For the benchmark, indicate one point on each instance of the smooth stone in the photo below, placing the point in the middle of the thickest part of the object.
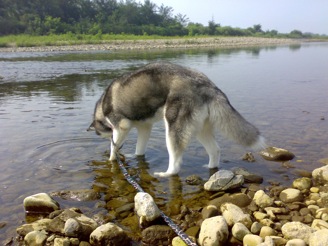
(213, 231)
(62, 242)
(256, 227)
(233, 214)
(146, 207)
(209, 211)
(291, 195)
(109, 234)
(157, 235)
(248, 176)
(320, 175)
(239, 231)
(239, 199)
(223, 180)
(267, 231)
(319, 238)
(262, 200)
(39, 225)
(318, 224)
(296, 242)
(302, 183)
(177, 241)
(277, 154)
(194, 180)
(40, 203)
(35, 238)
(252, 240)
(297, 230)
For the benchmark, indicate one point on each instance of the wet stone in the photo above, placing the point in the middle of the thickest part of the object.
(248, 176)
(194, 180)
(277, 154)
(157, 235)
(223, 180)
(77, 195)
(40, 203)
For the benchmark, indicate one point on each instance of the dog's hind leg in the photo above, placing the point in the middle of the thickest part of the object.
(144, 131)
(207, 138)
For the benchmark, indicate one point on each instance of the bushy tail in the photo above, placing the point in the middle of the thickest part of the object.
(233, 125)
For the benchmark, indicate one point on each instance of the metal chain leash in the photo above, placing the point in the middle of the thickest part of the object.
(167, 219)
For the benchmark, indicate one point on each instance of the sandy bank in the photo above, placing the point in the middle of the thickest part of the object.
(215, 42)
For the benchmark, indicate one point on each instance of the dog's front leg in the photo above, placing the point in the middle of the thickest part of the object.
(144, 131)
(119, 136)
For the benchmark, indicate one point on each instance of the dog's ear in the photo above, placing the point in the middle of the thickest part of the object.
(91, 127)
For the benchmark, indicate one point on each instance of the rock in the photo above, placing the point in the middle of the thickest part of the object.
(248, 157)
(319, 238)
(209, 211)
(276, 154)
(146, 207)
(256, 227)
(239, 199)
(239, 231)
(318, 224)
(72, 228)
(233, 214)
(302, 183)
(157, 235)
(40, 203)
(194, 180)
(62, 242)
(320, 175)
(35, 238)
(177, 241)
(248, 176)
(39, 225)
(323, 161)
(296, 242)
(297, 230)
(213, 231)
(252, 240)
(267, 231)
(291, 195)
(77, 195)
(223, 180)
(262, 200)
(109, 234)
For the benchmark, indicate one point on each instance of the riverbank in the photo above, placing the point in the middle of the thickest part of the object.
(214, 42)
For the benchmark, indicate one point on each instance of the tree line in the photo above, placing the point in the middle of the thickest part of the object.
(46, 17)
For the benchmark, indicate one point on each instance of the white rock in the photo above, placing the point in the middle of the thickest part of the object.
(35, 238)
(72, 228)
(296, 242)
(223, 180)
(146, 207)
(319, 224)
(291, 195)
(214, 231)
(262, 200)
(233, 214)
(268, 241)
(303, 183)
(108, 234)
(319, 238)
(297, 230)
(320, 175)
(239, 230)
(40, 203)
(252, 240)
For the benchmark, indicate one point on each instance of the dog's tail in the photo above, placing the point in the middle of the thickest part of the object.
(233, 125)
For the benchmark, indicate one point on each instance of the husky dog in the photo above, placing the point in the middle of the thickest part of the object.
(190, 104)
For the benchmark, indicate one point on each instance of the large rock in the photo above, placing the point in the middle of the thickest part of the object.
(320, 175)
(223, 180)
(297, 230)
(40, 203)
(276, 154)
(319, 238)
(303, 183)
(233, 214)
(146, 207)
(214, 231)
(291, 195)
(109, 234)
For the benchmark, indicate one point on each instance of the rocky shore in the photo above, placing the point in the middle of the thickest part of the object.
(214, 42)
(239, 212)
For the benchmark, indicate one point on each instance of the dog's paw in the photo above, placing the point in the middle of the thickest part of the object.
(162, 174)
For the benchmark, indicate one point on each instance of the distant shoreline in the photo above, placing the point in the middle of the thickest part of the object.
(116, 45)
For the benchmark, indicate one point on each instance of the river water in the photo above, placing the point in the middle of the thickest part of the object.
(47, 101)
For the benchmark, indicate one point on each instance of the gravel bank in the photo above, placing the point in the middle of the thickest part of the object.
(215, 42)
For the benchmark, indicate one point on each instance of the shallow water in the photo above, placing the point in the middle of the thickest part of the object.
(47, 101)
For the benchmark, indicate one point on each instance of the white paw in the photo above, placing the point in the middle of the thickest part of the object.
(163, 174)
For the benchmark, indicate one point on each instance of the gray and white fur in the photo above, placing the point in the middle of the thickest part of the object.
(190, 104)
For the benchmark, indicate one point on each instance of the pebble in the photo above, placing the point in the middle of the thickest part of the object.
(296, 242)
(276, 154)
(233, 214)
(252, 240)
(146, 207)
(297, 230)
(40, 203)
(214, 231)
(262, 200)
(239, 231)
(291, 195)
(109, 234)
(302, 183)
(319, 238)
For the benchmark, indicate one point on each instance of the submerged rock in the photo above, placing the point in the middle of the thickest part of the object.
(223, 180)
(110, 235)
(40, 203)
(277, 154)
(77, 195)
(157, 235)
(248, 176)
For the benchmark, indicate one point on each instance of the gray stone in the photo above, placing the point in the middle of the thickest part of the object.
(223, 180)
(248, 176)
(109, 234)
(35, 238)
(233, 214)
(213, 231)
(157, 235)
(239, 231)
(319, 238)
(297, 230)
(146, 207)
(320, 175)
(276, 154)
(262, 200)
(40, 203)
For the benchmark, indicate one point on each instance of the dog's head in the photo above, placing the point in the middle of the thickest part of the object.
(101, 123)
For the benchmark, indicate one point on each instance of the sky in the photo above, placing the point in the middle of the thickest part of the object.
(281, 15)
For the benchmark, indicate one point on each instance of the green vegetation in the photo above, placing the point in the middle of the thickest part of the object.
(66, 22)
